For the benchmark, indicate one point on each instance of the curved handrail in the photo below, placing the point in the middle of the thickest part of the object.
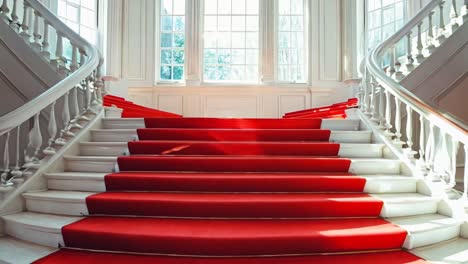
(31, 108)
(452, 125)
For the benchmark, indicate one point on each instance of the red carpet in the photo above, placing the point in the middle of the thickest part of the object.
(232, 182)
(233, 134)
(133, 110)
(232, 237)
(233, 164)
(233, 187)
(233, 123)
(234, 148)
(89, 257)
(234, 205)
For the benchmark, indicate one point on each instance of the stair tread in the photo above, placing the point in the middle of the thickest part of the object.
(13, 250)
(44, 222)
(58, 195)
(402, 198)
(76, 175)
(424, 223)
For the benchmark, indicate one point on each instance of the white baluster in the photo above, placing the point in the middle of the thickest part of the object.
(409, 132)
(391, 68)
(76, 110)
(36, 143)
(422, 136)
(381, 108)
(74, 62)
(14, 16)
(454, 16)
(82, 57)
(45, 43)
(25, 25)
(430, 35)
(65, 120)
(4, 10)
(409, 54)
(388, 114)
(60, 60)
(365, 102)
(430, 149)
(373, 107)
(465, 16)
(398, 75)
(52, 129)
(36, 45)
(99, 83)
(441, 38)
(16, 172)
(397, 121)
(453, 159)
(465, 178)
(6, 161)
(419, 46)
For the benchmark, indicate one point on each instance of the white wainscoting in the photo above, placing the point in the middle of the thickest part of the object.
(255, 102)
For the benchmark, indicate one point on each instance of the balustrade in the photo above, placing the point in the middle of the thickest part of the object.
(20, 130)
(438, 136)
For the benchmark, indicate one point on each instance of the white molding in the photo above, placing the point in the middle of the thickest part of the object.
(193, 42)
(267, 42)
(330, 38)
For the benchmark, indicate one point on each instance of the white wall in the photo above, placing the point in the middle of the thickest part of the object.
(131, 43)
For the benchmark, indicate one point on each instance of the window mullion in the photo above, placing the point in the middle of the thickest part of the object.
(267, 41)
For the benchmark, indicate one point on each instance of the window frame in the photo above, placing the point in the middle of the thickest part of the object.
(65, 20)
(382, 24)
(261, 51)
(157, 48)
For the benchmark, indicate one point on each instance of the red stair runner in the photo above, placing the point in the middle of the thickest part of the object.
(234, 148)
(133, 110)
(92, 257)
(234, 182)
(233, 134)
(245, 188)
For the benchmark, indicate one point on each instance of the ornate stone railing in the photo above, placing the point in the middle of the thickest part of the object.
(34, 132)
(427, 139)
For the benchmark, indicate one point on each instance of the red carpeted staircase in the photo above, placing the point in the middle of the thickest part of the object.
(233, 191)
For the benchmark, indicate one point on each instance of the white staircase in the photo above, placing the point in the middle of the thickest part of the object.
(406, 200)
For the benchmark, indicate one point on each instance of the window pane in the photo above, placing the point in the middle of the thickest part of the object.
(172, 40)
(231, 40)
(291, 53)
(385, 17)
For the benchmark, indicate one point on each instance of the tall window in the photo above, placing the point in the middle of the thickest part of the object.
(385, 17)
(291, 58)
(81, 16)
(231, 40)
(172, 40)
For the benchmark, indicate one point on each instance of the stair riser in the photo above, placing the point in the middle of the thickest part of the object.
(352, 151)
(76, 185)
(128, 123)
(422, 239)
(388, 186)
(125, 136)
(375, 167)
(89, 166)
(407, 209)
(37, 236)
(358, 167)
(77, 208)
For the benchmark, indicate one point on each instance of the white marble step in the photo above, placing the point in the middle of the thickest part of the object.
(405, 204)
(94, 182)
(90, 163)
(424, 230)
(333, 124)
(453, 251)
(121, 148)
(57, 202)
(42, 229)
(17, 251)
(125, 135)
(45, 229)
(359, 166)
(76, 181)
(74, 203)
